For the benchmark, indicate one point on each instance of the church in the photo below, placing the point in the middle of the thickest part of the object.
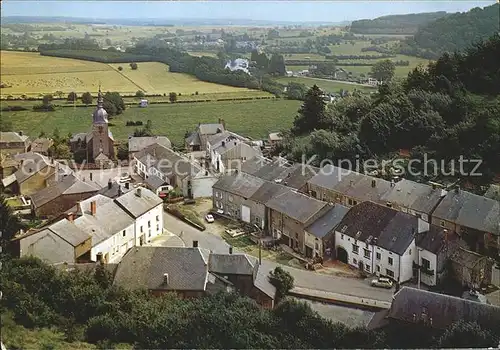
(98, 143)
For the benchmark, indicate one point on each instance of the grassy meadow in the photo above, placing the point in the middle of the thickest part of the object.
(255, 118)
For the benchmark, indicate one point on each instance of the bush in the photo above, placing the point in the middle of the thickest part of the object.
(120, 68)
(14, 109)
(139, 93)
(72, 96)
(44, 108)
(133, 65)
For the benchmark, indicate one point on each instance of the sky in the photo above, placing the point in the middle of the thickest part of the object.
(296, 11)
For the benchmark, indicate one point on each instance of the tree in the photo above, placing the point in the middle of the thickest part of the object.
(47, 99)
(122, 151)
(113, 103)
(61, 151)
(383, 70)
(72, 97)
(277, 65)
(296, 91)
(133, 65)
(9, 224)
(87, 98)
(467, 335)
(120, 68)
(282, 280)
(311, 114)
(172, 97)
(139, 93)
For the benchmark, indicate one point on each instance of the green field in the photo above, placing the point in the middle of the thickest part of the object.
(328, 86)
(254, 118)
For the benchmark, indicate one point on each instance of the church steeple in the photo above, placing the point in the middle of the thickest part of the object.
(100, 100)
(100, 116)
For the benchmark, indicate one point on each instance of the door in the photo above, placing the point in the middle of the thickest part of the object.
(245, 213)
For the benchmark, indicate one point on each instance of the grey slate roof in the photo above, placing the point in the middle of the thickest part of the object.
(136, 204)
(154, 182)
(231, 264)
(31, 164)
(327, 223)
(144, 267)
(69, 232)
(393, 230)
(167, 161)
(443, 309)
(193, 139)
(210, 129)
(278, 169)
(240, 184)
(114, 191)
(493, 192)
(251, 166)
(409, 194)
(434, 239)
(67, 185)
(135, 144)
(299, 176)
(470, 210)
(351, 184)
(261, 280)
(267, 191)
(296, 205)
(78, 137)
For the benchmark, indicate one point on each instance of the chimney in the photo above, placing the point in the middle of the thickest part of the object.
(119, 190)
(195, 244)
(230, 249)
(20, 133)
(206, 172)
(90, 176)
(374, 183)
(165, 279)
(70, 217)
(110, 184)
(93, 207)
(127, 185)
(138, 192)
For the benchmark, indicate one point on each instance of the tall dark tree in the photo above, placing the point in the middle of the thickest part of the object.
(277, 65)
(311, 114)
(87, 98)
(9, 224)
(383, 70)
(72, 96)
(114, 102)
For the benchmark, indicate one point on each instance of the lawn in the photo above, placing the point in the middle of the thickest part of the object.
(350, 49)
(254, 118)
(328, 86)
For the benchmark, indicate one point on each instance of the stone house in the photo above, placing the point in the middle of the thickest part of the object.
(197, 140)
(471, 269)
(12, 143)
(136, 144)
(41, 145)
(476, 219)
(193, 272)
(231, 197)
(61, 196)
(259, 214)
(289, 215)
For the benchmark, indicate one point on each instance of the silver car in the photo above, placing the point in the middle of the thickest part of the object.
(382, 282)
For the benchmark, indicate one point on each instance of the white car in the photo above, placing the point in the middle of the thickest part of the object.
(209, 218)
(382, 282)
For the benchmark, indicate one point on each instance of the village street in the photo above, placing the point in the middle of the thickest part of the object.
(303, 278)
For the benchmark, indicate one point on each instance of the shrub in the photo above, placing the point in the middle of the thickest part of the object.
(139, 93)
(120, 68)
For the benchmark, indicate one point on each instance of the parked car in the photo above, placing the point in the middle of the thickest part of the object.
(209, 218)
(382, 282)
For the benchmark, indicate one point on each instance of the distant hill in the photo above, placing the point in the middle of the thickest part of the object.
(395, 24)
(453, 33)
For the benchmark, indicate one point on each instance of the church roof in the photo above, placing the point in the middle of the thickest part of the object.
(100, 115)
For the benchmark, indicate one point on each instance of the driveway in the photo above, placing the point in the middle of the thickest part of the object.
(303, 278)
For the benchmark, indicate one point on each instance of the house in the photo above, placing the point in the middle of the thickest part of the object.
(61, 196)
(476, 219)
(157, 184)
(493, 192)
(379, 240)
(471, 269)
(136, 144)
(41, 145)
(274, 139)
(413, 307)
(289, 73)
(146, 208)
(34, 172)
(289, 215)
(227, 151)
(98, 143)
(276, 170)
(174, 170)
(143, 103)
(12, 143)
(59, 242)
(341, 74)
(253, 164)
(434, 248)
(320, 234)
(346, 187)
(197, 140)
(258, 200)
(413, 198)
(299, 175)
(231, 197)
(239, 64)
(193, 272)
(8, 166)
(373, 82)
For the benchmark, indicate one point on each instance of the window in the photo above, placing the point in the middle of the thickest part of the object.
(316, 246)
(157, 217)
(378, 268)
(367, 268)
(390, 261)
(149, 233)
(157, 227)
(442, 223)
(389, 273)
(124, 233)
(389, 204)
(313, 194)
(355, 249)
(409, 253)
(341, 236)
(296, 235)
(350, 201)
(344, 229)
(426, 264)
(377, 255)
(367, 253)
(354, 261)
(141, 229)
(149, 224)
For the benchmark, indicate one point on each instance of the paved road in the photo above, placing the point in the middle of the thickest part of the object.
(341, 81)
(303, 278)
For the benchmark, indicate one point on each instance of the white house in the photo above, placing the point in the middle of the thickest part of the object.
(379, 240)
(144, 103)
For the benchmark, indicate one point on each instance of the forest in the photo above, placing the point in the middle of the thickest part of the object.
(450, 108)
(452, 33)
(395, 24)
